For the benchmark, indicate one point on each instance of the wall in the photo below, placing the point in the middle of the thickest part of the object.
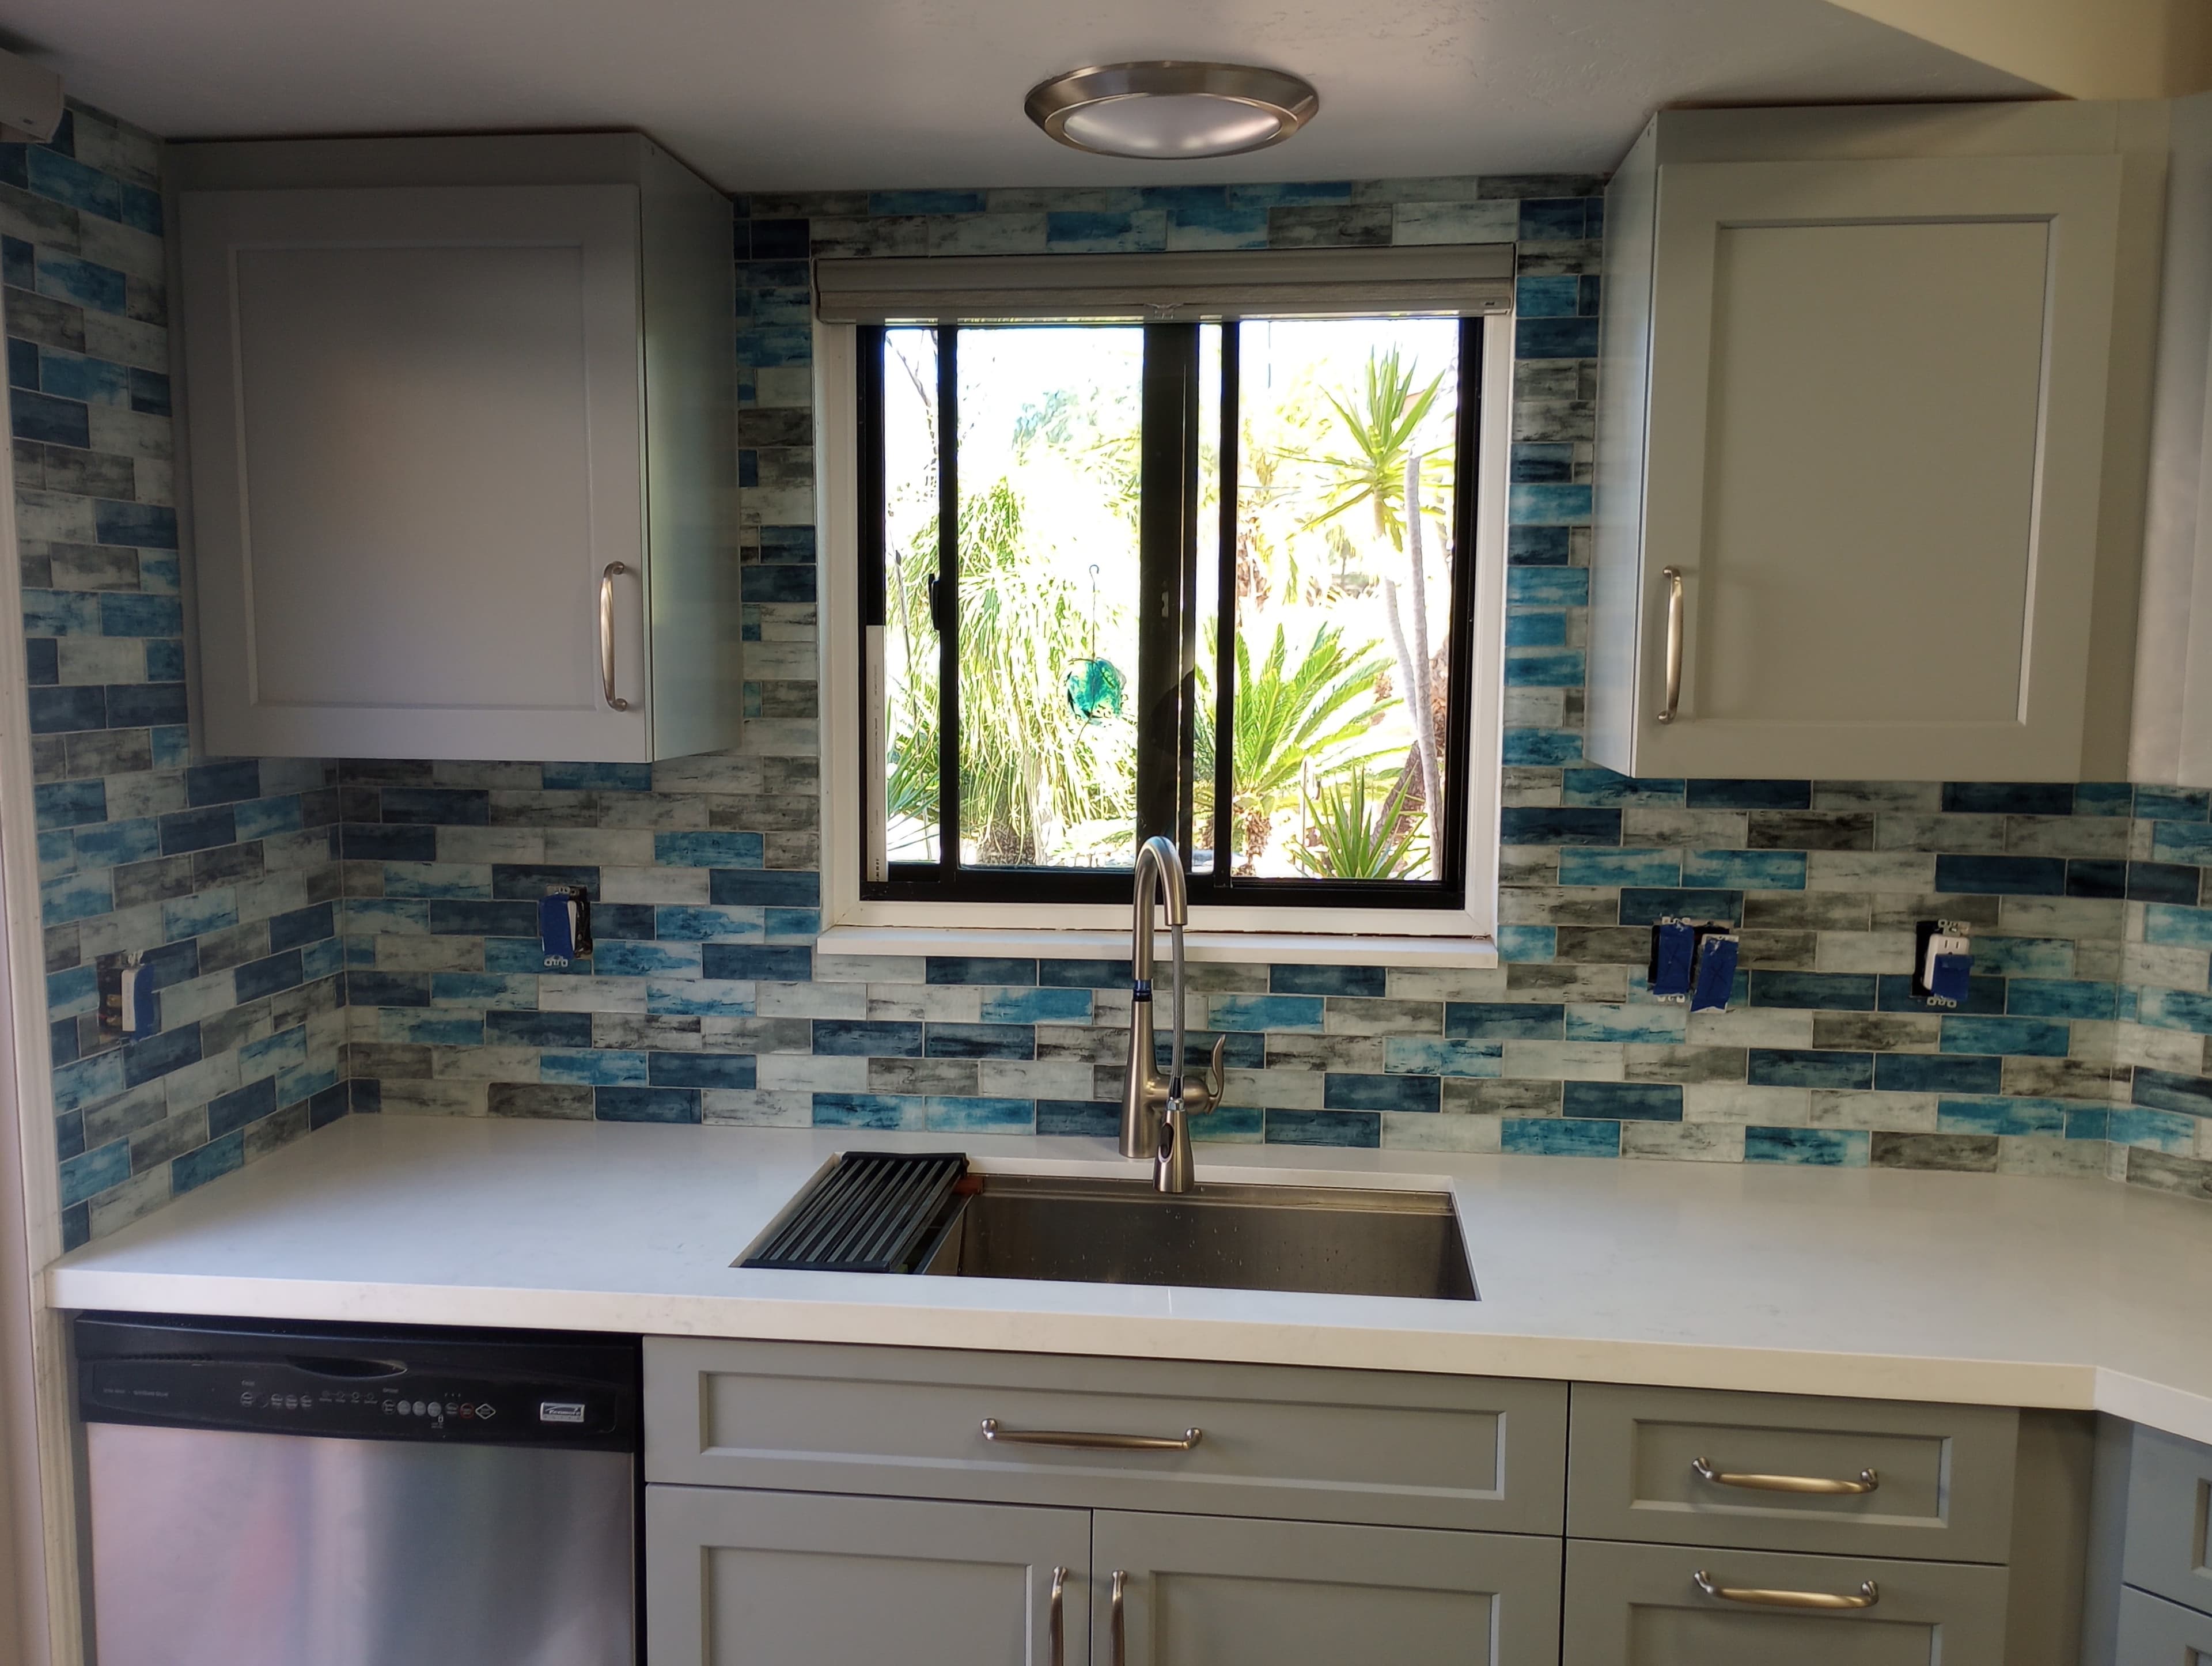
(221, 871)
(2083, 1050)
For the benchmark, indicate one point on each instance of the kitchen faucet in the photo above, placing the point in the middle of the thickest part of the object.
(1156, 1110)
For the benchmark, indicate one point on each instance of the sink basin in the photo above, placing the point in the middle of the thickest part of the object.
(1328, 1240)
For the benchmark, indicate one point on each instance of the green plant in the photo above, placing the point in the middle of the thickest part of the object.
(1288, 716)
(1381, 423)
(1029, 770)
(1344, 842)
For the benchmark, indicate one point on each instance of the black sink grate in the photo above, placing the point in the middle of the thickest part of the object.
(869, 1213)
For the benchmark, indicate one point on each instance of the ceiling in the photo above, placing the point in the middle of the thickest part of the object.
(808, 94)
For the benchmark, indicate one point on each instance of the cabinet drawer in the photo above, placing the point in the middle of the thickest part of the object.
(1290, 1442)
(1641, 1605)
(2169, 1492)
(1942, 1475)
(2156, 1633)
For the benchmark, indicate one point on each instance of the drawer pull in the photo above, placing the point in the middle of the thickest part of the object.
(1674, 577)
(1867, 1595)
(1120, 1634)
(615, 702)
(1090, 1442)
(1059, 1630)
(1867, 1482)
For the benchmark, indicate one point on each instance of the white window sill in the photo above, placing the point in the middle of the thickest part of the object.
(1239, 948)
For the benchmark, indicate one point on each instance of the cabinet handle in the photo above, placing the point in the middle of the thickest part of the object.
(1867, 1482)
(1867, 1595)
(1119, 1632)
(1094, 1442)
(1059, 1631)
(614, 570)
(1674, 577)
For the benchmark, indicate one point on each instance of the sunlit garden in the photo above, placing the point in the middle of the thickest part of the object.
(1344, 453)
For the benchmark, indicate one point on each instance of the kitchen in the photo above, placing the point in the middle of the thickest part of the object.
(1694, 1151)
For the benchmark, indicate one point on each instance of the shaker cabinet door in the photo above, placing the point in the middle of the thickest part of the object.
(1852, 530)
(416, 422)
(743, 1579)
(1198, 1590)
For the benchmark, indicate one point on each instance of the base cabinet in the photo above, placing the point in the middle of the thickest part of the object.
(1643, 1605)
(1201, 1590)
(743, 1578)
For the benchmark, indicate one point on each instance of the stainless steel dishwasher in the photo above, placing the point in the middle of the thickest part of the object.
(267, 1494)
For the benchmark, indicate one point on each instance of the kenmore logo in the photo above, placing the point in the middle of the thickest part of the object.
(560, 1411)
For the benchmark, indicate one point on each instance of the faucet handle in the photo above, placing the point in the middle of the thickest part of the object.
(1215, 1081)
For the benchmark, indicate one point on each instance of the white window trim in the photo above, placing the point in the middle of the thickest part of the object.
(853, 925)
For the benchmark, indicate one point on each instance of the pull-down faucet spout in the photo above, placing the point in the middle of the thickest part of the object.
(1156, 1108)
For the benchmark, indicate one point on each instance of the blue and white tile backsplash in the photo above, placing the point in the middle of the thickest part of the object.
(2082, 1051)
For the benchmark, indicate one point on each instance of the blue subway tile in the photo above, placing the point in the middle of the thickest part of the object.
(228, 1112)
(1537, 546)
(1430, 1055)
(2163, 882)
(1548, 586)
(1553, 220)
(2183, 842)
(1552, 1136)
(2172, 804)
(1594, 786)
(435, 807)
(146, 705)
(2005, 798)
(1560, 825)
(867, 1038)
(1040, 1006)
(60, 613)
(69, 803)
(2159, 1130)
(1354, 1091)
(699, 997)
(1601, 866)
(2171, 1089)
(593, 1067)
(2103, 797)
(1546, 670)
(1792, 1066)
(159, 1054)
(1979, 1033)
(1084, 974)
(2059, 998)
(1324, 981)
(1542, 748)
(67, 710)
(1555, 338)
(2096, 877)
(709, 850)
(1651, 1022)
(42, 657)
(226, 781)
(41, 418)
(268, 977)
(1470, 1020)
(532, 1029)
(468, 917)
(374, 988)
(1835, 992)
(977, 969)
(2176, 927)
(974, 1114)
(2001, 876)
(733, 1070)
(625, 958)
(2023, 957)
(744, 961)
(1623, 1101)
(1547, 505)
(886, 203)
(1744, 870)
(55, 174)
(429, 1027)
(257, 819)
(2175, 1009)
(210, 1162)
(645, 1105)
(753, 887)
(884, 1111)
(1833, 1148)
(1895, 995)
(1279, 1012)
(146, 526)
(1642, 907)
(1937, 1072)
(503, 991)
(528, 881)
(1527, 945)
(1546, 297)
(1098, 1119)
(690, 922)
(980, 1041)
(2013, 1117)
(366, 842)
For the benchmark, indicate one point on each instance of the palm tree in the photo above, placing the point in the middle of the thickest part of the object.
(1289, 718)
(1386, 469)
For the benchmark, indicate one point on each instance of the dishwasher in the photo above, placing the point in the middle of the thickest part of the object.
(281, 1494)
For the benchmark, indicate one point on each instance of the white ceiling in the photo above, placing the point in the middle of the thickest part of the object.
(825, 93)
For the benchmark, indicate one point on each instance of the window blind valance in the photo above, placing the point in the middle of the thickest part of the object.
(1463, 280)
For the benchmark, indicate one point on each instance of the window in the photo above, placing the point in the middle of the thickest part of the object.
(1214, 580)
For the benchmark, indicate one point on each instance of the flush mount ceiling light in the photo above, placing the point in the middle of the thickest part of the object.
(1171, 111)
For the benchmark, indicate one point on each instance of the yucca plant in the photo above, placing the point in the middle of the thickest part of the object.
(1313, 713)
(1344, 842)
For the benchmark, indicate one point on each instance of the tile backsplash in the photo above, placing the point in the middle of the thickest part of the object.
(2082, 1048)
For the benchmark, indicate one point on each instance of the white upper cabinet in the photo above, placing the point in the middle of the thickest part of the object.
(462, 456)
(1856, 461)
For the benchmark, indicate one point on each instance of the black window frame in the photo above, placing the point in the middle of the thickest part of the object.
(1165, 689)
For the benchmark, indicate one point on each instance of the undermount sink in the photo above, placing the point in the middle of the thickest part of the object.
(1324, 1240)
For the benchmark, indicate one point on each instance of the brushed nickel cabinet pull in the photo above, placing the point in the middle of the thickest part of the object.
(1059, 1630)
(614, 570)
(1090, 1442)
(1121, 1635)
(1674, 577)
(1867, 1482)
(1867, 1595)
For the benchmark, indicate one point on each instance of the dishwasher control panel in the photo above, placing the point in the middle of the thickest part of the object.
(322, 1387)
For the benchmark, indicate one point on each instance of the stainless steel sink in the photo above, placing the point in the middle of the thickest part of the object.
(1330, 1240)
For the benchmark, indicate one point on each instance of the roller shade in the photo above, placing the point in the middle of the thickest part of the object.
(1462, 279)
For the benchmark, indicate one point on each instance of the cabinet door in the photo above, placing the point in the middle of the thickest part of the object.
(415, 450)
(742, 1579)
(2156, 1633)
(1201, 1590)
(1874, 444)
(1641, 1605)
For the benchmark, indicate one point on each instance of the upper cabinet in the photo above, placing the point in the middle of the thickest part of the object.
(1869, 463)
(462, 449)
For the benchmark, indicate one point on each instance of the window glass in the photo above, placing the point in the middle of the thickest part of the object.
(909, 645)
(1346, 440)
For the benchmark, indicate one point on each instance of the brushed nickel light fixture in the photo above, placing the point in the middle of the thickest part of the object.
(1166, 109)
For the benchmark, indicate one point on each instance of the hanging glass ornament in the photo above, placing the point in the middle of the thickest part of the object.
(1095, 687)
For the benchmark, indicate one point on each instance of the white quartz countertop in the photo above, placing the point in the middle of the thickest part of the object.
(2008, 1289)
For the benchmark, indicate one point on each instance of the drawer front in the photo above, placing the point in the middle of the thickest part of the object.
(1942, 1475)
(2156, 1633)
(1273, 1441)
(1641, 1605)
(2169, 1494)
